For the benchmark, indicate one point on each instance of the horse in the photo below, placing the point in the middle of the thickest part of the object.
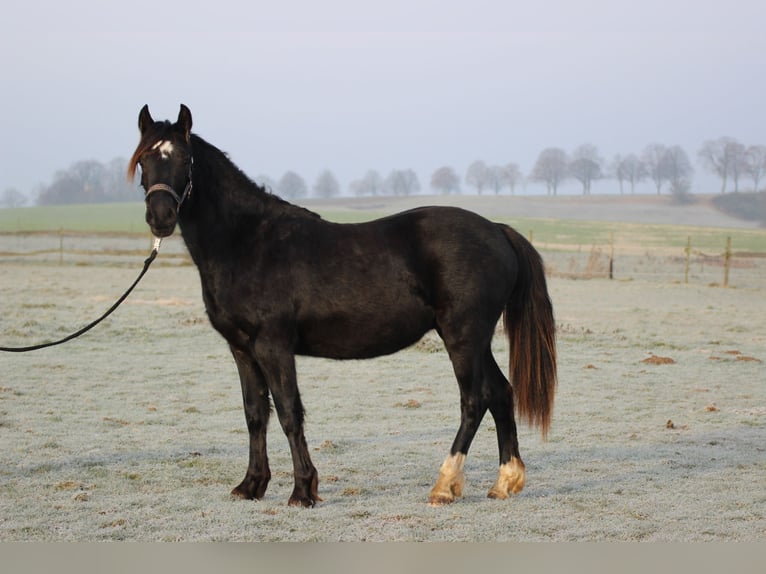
(279, 281)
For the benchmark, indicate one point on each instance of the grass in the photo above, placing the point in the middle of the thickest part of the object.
(587, 233)
(90, 218)
(128, 218)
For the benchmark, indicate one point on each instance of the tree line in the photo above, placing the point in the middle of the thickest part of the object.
(86, 181)
(666, 167)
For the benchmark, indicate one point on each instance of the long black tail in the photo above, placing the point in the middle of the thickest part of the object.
(531, 331)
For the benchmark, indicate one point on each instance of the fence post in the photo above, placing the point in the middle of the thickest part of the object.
(727, 263)
(688, 251)
(611, 255)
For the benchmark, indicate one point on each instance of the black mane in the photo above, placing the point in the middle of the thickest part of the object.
(214, 173)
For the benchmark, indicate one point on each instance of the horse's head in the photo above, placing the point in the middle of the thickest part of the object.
(164, 154)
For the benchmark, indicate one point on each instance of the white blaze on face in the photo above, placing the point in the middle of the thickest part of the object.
(165, 148)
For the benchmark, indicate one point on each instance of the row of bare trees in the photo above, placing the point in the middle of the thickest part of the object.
(83, 182)
(292, 186)
(725, 157)
(89, 182)
(657, 163)
(666, 167)
(730, 160)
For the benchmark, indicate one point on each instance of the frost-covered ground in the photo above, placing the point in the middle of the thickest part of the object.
(136, 431)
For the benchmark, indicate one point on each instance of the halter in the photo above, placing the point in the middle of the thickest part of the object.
(165, 187)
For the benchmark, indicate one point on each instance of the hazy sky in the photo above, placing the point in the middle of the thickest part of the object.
(352, 85)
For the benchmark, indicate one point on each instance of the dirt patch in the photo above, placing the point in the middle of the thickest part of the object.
(655, 360)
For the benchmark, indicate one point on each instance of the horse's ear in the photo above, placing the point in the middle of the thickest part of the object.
(144, 119)
(185, 121)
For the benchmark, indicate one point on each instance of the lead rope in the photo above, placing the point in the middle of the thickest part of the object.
(147, 263)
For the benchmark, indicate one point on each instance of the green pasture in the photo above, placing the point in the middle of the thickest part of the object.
(91, 218)
(565, 234)
(128, 218)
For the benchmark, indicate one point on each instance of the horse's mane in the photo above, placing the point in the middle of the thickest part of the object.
(235, 184)
(213, 164)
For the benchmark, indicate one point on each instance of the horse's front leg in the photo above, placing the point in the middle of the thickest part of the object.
(278, 366)
(255, 395)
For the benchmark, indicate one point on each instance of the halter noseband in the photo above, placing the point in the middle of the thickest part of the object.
(165, 187)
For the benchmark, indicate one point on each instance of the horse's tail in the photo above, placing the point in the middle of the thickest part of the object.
(531, 330)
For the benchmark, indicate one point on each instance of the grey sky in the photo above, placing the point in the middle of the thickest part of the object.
(351, 85)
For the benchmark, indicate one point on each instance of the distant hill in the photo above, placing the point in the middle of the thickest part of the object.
(749, 206)
(652, 209)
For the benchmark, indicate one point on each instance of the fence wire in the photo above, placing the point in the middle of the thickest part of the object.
(665, 264)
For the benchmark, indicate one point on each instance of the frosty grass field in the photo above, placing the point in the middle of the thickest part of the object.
(136, 431)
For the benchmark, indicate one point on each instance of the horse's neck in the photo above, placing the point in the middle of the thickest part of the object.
(223, 200)
(225, 205)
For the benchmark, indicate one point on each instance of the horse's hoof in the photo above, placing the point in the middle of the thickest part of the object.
(237, 493)
(302, 502)
(497, 494)
(440, 499)
(510, 480)
(450, 483)
(251, 488)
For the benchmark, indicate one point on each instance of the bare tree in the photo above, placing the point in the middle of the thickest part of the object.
(550, 168)
(652, 158)
(83, 182)
(678, 170)
(617, 170)
(737, 155)
(477, 175)
(115, 186)
(633, 170)
(326, 185)
(585, 166)
(500, 176)
(718, 157)
(12, 197)
(370, 184)
(495, 178)
(755, 163)
(512, 176)
(292, 186)
(445, 180)
(402, 182)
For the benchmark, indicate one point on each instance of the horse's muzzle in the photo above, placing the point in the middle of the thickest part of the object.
(161, 216)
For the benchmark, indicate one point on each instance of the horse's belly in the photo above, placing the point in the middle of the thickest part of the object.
(349, 335)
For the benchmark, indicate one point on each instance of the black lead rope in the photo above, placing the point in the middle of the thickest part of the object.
(88, 327)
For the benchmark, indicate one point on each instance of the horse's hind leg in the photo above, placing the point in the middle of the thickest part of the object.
(511, 475)
(255, 395)
(473, 406)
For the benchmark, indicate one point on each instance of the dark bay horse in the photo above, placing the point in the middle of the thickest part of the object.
(279, 281)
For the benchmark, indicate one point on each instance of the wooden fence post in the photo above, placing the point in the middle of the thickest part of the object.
(611, 255)
(688, 251)
(727, 262)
